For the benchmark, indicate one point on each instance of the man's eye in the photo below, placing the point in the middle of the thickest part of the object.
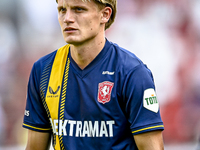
(78, 9)
(62, 9)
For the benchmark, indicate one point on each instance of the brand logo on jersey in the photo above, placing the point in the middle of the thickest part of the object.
(52, 92)
(104, 91)
(108, 72)
(150, 101)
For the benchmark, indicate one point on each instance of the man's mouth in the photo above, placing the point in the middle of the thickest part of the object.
(67, 29)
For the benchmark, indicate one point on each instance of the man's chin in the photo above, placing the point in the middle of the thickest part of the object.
(73, 41)
(70, 40)
(78, 41)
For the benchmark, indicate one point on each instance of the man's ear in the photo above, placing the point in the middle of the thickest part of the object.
(106, 14)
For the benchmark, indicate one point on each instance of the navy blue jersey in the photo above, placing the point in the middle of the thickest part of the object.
(100, 107)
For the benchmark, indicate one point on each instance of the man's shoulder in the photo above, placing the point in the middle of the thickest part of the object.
(44, 62)
(46, 58)
(125, 58)
(50, 57)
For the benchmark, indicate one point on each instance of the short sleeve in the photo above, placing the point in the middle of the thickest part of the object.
(142, 108)
(35, 116)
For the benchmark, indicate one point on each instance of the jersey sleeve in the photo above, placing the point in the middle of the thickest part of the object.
(142, 108)
(35, 116)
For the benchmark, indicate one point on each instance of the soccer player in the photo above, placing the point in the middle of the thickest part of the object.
(91, 94)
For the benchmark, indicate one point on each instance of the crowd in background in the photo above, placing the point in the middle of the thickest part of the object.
(165, 34)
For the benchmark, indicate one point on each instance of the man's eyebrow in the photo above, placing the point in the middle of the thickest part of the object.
(79, 5)
(59, 7)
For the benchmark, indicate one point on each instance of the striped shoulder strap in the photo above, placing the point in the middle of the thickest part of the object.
(54, 95)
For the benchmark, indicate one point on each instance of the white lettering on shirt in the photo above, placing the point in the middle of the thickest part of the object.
(83, 128)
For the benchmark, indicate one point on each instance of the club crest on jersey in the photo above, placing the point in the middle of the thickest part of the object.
(104, 91)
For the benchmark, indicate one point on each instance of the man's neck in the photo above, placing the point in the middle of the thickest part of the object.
(84, 54)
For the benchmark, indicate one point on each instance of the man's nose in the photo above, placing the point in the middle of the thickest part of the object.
(69, 17)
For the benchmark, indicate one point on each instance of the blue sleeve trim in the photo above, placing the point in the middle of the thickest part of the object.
(36, 128)
(151, 128)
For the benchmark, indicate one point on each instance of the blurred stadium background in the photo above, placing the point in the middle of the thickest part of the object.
(165, 34)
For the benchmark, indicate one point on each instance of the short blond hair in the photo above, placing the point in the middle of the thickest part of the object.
(109, 3)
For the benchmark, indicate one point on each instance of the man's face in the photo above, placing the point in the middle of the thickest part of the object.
(80, 21)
